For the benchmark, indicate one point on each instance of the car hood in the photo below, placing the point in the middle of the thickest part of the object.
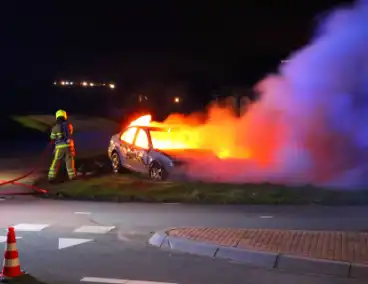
(115, 137)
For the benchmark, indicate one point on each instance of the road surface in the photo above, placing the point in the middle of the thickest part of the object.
(66, 241)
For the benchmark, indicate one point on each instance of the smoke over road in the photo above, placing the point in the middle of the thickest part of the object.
(311, 123)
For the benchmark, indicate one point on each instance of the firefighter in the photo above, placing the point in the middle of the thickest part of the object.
(61, 134)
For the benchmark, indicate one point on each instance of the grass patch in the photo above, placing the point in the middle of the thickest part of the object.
(43, 123)
(32, 124)
(133, 187)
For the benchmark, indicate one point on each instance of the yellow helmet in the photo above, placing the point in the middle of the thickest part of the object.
(61, 113)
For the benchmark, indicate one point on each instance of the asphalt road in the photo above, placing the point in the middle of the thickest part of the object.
(114, 243)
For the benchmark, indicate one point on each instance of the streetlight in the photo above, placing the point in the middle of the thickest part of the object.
(112, 86)
(176, 100)
(85, 84)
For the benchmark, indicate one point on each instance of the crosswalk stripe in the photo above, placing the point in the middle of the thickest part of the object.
(68, 242)
(27, 227)
(4, 238)
(30, 227)
(266, 217)
(103, 280)
(94, 229)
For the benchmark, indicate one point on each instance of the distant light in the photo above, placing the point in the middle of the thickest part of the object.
(84, 84)
(176, 100)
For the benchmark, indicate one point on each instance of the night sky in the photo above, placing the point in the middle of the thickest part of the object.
(151, 40)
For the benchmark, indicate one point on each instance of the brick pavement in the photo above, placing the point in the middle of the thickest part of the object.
(342, 246)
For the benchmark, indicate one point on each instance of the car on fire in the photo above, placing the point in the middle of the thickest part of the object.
(134, 149)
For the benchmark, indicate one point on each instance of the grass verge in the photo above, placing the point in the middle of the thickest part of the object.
(135, 188)
(43, 123)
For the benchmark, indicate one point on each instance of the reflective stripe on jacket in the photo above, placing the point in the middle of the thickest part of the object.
(62, 133)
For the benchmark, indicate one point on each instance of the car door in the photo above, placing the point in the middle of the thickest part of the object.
(127, 146)
(141, 150)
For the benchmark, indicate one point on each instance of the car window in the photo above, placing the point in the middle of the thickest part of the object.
(167, 138)
(142, 139)
(128, 135)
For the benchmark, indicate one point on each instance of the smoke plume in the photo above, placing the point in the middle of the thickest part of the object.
(311, 123)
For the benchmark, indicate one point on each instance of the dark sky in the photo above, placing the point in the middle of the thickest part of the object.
(139, 39)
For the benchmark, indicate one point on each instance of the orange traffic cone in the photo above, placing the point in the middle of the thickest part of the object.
(11, 266)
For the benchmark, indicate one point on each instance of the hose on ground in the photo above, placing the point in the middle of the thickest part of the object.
(36, 167)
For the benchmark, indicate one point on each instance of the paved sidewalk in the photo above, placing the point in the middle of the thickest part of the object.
(341, 254)
(338, 246)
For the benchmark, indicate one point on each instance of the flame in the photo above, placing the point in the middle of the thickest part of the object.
(180, 132)
(142, 121)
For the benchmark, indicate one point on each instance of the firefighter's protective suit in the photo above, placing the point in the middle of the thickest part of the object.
(61, 134)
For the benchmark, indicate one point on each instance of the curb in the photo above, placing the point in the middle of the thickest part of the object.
(269, 260)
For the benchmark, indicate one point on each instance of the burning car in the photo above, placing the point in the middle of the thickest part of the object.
(157, 150)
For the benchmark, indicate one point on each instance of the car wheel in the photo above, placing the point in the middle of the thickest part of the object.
(157, 172)
(116, 163)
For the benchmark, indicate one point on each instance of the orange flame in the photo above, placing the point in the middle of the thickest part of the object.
(180, 132)
(142, 121)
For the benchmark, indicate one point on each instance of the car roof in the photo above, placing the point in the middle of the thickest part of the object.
(148, 127)
(157, 128)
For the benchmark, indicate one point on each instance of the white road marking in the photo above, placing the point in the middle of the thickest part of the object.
(83, 213)
(65, 243)
(118, 281)
(266, 217)
(2, 199)
(30, 227)
(145, 282)
(94, 229)
(4, 238)
(103, 280)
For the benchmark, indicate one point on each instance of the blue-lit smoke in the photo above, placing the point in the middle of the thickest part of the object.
(319, 105)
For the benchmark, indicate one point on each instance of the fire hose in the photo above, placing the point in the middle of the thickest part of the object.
(35, 168)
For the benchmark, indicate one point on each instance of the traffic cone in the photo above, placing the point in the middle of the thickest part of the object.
(11, 266)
